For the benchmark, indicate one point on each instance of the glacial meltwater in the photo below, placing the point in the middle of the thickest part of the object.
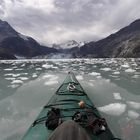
(112, 84)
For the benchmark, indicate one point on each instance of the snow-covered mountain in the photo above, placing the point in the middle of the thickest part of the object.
(68, 45)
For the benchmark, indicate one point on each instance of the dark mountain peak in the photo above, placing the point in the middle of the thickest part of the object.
(1, 21)
(133, 27)
(6, 30)
(4, 24)
(12, 44)
(136, 22)
(124, 43)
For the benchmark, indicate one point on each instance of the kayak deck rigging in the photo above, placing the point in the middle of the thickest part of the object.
(67, 101)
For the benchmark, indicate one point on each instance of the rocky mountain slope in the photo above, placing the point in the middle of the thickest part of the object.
(124, 43)
(14, 44)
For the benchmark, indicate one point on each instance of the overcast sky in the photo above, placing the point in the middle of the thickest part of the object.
(55, 21)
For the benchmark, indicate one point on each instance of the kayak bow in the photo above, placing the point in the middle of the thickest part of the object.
(70, 102)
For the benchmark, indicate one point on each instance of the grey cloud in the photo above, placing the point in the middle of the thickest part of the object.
(2, 5)
(70, 19)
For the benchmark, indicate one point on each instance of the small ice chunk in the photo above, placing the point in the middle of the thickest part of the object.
(38, 68)
(8, 74)
(17, 82)
(106, 69)
(8, 69)
(23, 78)
(133, 114)
(34, 75)
(130, 70)
(13, 86)
(134, 105)
(116, 72)
(24, 73)
(79, 77)
(95, 74)
(10, 79)
(19, 69)
(115, 109)
(12, 74)
(23, 65)
(136, 76)
(54, 67)
(117, 96)
(47, 66)
(99, 77)
(16, 75)
(125, 66)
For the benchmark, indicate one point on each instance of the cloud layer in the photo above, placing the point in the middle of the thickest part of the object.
(53, 21)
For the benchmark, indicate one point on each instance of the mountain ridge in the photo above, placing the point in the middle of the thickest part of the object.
(13, 44)
(124, 43)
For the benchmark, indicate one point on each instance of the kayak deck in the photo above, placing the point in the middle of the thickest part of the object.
(66, 99)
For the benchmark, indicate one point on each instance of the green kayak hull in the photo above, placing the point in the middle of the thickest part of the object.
(66, 99)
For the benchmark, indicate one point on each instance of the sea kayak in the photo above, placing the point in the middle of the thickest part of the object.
(70, 102)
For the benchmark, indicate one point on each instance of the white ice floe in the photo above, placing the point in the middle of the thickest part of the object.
(130, 70)
(24, 73)
(94, 74)
(133, 114)
(115, 109)
(38, 68)
(79, 77)
(117, 96)
(106, 69)
(16, 75)
(54, 67)
(136, 76)
(17, 82)
(8, 69)
(14, 86)
(19, 69)
(116, 72)
(23, 78)
(12, 74)
(134, 105)
(125, 66)
(23, 65)
(8, 74)
(114, 76)
(10, 79)
(47, 66)
(34, 75)
(99, 77)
